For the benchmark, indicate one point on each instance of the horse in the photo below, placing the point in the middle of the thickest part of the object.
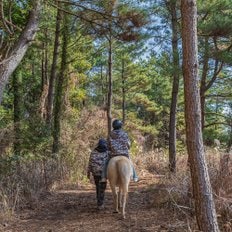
(119, 173)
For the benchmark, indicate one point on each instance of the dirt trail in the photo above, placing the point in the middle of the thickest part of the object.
(75, 210)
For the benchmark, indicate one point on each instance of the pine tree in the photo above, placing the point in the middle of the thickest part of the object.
(202, 191)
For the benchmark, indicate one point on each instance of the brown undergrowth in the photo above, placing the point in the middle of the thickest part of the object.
(173, 191)
(38, 183)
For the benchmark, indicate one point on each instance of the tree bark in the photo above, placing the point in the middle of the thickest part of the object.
(202, 191)
(103, 87)
(229, 144)
(10, 63)
(123, 92)
(17, 110)
(109, 100)
(53, 68)
(203, 81)
(175, 88)
(44, 81)
(59, 89)
(17, 79)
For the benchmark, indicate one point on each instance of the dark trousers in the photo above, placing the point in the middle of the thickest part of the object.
(100, 190)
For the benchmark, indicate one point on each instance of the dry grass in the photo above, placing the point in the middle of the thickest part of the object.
(23, 188)
(171, 192)
(78, 142)
(175, 190)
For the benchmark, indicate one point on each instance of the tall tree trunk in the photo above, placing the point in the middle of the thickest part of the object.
(53, 68)
(43, 76)
(229, 143)
(216, 112)
(203, 81)
(17, 110)
(109, 99)
(17, 79)
(202, 191)
(44, 82)
(206, 85)
(123, 92)
(175, 88)
(10, 63)
(102, 87)
(59, 88)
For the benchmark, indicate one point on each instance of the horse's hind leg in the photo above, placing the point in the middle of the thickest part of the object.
(124, 193)
(115, 198)
(120, 199)
(124, 197)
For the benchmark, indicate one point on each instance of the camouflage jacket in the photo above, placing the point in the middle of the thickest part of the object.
(96, 162)
(119, 143)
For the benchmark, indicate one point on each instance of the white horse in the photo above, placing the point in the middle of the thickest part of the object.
(119, 173)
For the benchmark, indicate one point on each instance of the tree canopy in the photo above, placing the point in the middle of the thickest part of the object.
(64, 58)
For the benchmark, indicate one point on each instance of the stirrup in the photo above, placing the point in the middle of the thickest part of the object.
(135, 179)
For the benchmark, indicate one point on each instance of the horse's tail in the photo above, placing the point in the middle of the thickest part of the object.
(123, 168)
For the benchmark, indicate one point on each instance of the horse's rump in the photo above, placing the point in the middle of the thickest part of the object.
(119, 172)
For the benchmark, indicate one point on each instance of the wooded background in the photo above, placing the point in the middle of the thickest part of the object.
(67, 68)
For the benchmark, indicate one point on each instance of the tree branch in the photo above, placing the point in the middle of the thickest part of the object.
(12, 60)
(103, 14)
(73, 14)
(226, 95)
(2, 17)
(217, 114)
(218, 123)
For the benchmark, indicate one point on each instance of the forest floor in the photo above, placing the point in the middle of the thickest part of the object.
(74, 209)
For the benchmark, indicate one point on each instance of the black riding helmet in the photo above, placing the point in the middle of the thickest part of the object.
(102, 145)
(117, 124)
(102, 142)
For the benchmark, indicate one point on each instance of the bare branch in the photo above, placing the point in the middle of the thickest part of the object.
(3, 18)
(218, 123)
(9, 15)
(217, 114)
(217, 70)
(83, 18)
(13, 26)
(103, 14)
(225, 95)
(8, 48)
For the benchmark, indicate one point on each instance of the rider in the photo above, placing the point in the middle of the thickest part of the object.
(97, 160)
(119, 144)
